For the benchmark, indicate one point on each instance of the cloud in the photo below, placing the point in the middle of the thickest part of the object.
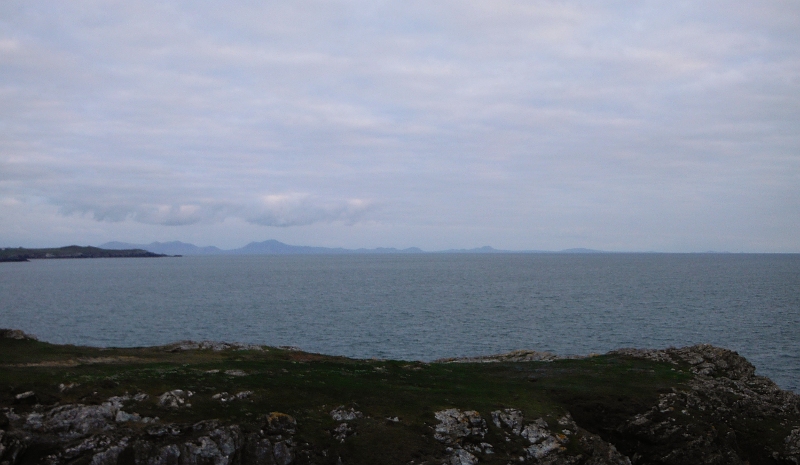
(164, 215)
(278, 210)
(501, 116)
(285, 210)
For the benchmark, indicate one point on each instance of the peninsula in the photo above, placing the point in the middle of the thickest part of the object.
(229, 404)
(21, 254)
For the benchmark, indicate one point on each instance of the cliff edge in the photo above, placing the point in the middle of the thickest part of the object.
(227, 404)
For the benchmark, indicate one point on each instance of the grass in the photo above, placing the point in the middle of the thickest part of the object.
(598, 391)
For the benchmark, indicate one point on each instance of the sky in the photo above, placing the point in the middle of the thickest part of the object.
(669, 126)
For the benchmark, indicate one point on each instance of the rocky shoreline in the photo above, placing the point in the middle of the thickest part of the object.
(21, 254)
(707, 406)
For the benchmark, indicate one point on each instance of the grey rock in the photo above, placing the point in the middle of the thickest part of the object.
(455, 424)
(6, 333)
(513, 356)
(10, 448)
(227, 438)
(509, 418)
(212, 345)
(24, 395)
(174, 399)
(222, 397)
(536, 431)
(66, 387)
(158, 431)
(167, 455)
(258, 451)
(122, 417)
(92, 443)
(601, 452)
(462, 457)
(793, 444)
(205, 426)
(118, 401)
(704, 359)
(724, 387)
(341, 432)
(110, 455)
(340, 414)
(549, 447)
(544, 448)
(283, 453)
(225, 397)
(203, 451)
(72, 420)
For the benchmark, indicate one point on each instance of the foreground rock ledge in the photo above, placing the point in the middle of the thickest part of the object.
(214, 403)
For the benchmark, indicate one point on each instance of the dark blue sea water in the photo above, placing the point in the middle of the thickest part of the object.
(421, 306)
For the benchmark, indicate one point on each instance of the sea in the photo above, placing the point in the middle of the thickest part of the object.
(420, 306)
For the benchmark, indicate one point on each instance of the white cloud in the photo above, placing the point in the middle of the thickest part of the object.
(494, 116)
(297, 209)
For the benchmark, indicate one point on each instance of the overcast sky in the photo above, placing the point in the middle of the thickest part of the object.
(650, 125)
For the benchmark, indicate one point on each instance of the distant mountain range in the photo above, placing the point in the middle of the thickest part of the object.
(273, 247)
(167, 248)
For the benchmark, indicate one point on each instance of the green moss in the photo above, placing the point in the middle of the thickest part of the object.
(599, 392)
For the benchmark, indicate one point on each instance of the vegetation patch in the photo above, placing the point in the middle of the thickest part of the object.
(269, 405)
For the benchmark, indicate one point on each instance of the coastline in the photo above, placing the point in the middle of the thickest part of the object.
(215, 402)
(21, 254)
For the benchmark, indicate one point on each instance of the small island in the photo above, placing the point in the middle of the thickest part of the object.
(20, 254)
(228, 404)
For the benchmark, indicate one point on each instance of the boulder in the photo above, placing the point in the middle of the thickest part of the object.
(455, 425)
(175, 398)
(341, 414)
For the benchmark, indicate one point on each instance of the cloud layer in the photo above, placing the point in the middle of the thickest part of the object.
(623, 126)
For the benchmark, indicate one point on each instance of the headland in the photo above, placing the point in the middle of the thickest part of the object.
(224, 403)
(21, 254)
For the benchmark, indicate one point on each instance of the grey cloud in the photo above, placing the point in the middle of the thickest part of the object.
(165, 215)
(501, 116)
(280, 210)
(294, 209)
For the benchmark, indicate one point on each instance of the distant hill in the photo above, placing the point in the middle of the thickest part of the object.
(273, 247)
(580, 250)
(268, 247)
(20, 254)
(488, 249)
(484, 249)
(168, 248)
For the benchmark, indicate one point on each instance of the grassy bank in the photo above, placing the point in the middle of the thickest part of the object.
(397, 399)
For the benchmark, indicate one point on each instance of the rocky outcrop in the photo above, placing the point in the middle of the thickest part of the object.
(342, 414)
(455, 425)
(708, 422)
(513, 356)
(175, 399)
(17, 334)
(464, 432)
(703, 359)
(105, 435)
(344, 429)
(216, 346)
(707, 417)
(225, 397)
(549, 445)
